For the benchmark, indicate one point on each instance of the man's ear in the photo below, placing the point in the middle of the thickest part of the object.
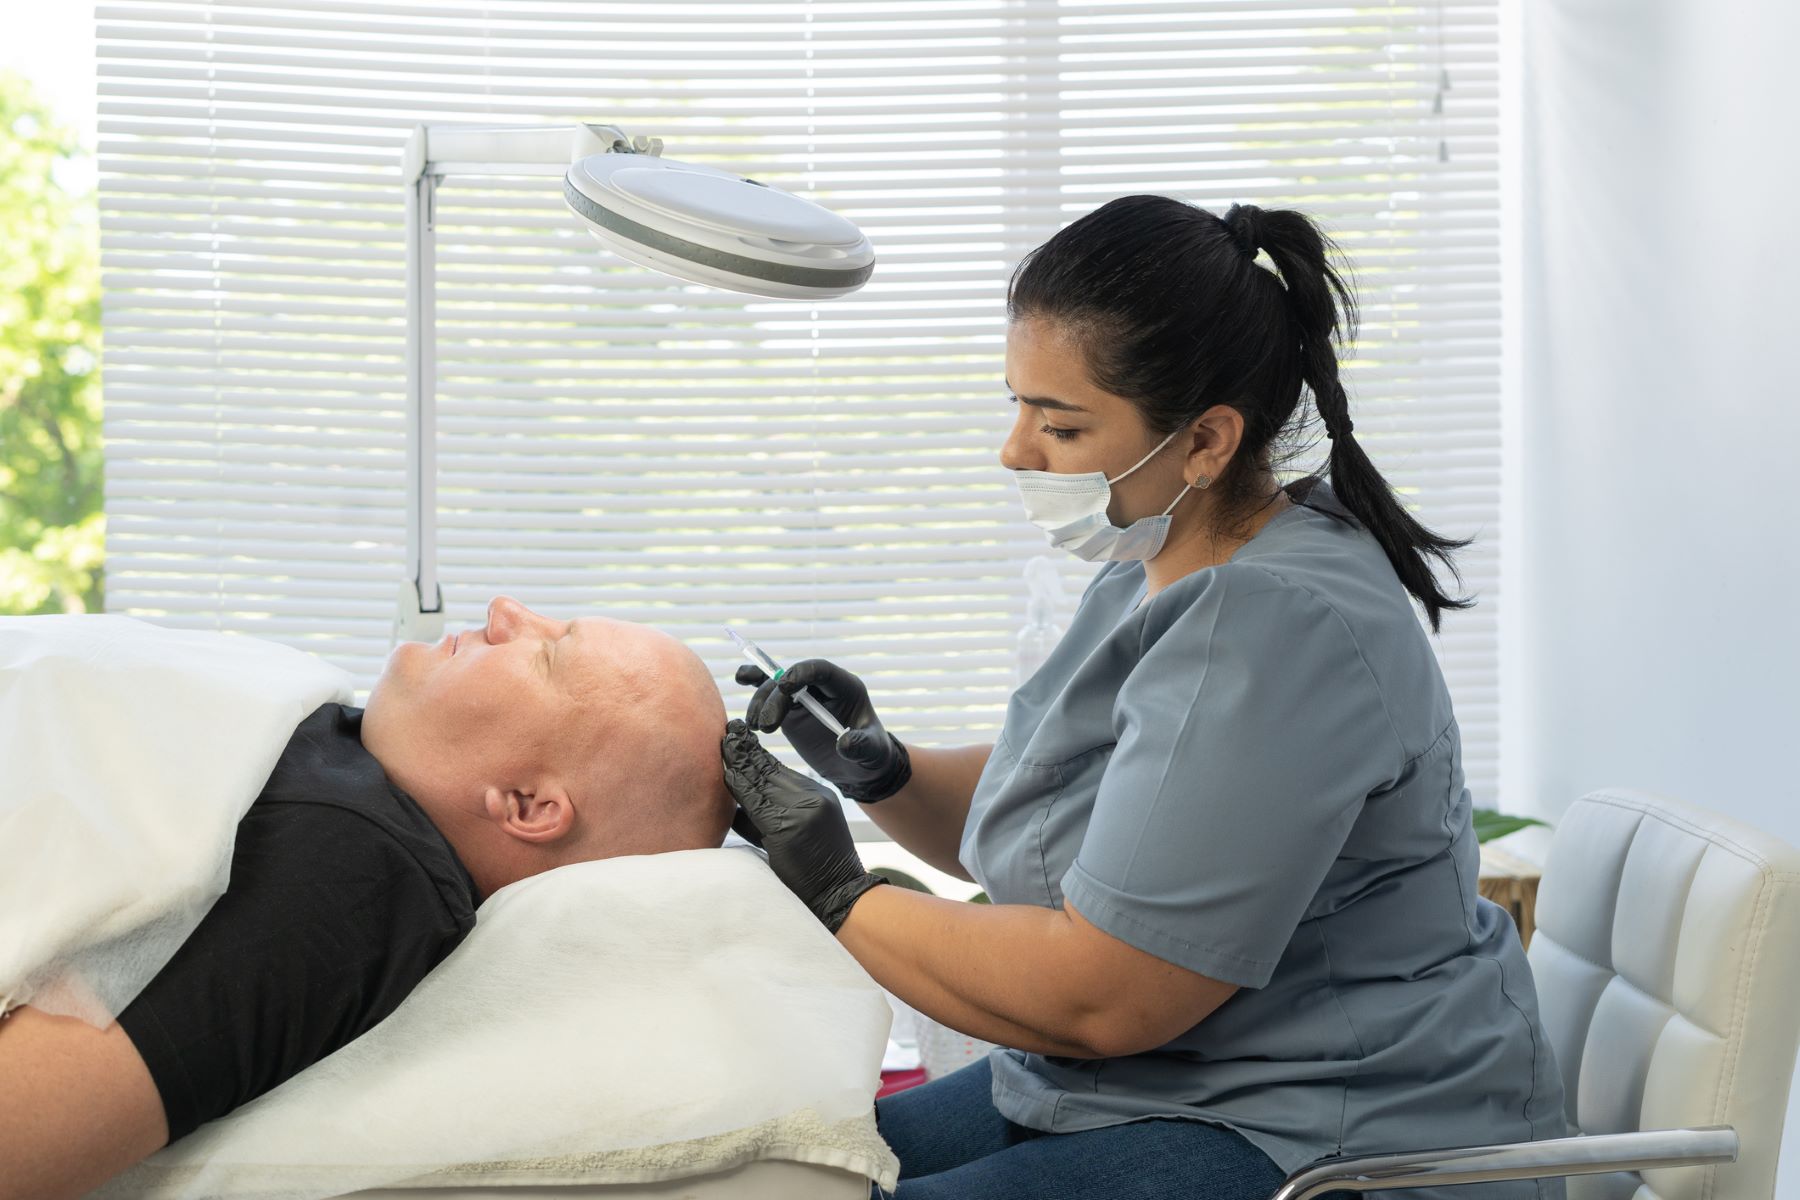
(544, 815)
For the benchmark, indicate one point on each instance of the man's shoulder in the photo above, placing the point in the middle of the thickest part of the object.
(330, 807)
(324, 765)
(342, 897)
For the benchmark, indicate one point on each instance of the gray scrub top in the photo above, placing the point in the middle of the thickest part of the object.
(1256, 775)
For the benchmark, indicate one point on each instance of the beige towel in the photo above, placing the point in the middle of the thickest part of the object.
(658, 1000)
(854, 1145)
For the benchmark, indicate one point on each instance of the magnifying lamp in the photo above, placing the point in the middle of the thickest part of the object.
(694, 222)
(709, 226)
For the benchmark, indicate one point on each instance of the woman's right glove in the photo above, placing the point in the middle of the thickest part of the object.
(867, 763)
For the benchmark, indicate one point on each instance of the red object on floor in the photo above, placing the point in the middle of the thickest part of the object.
(899, 1081)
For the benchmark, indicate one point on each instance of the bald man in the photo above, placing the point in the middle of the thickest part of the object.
(506, 750)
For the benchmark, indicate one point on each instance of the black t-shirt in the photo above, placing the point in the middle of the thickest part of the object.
(343, 896)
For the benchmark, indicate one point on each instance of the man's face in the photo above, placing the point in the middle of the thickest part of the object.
(521, 693)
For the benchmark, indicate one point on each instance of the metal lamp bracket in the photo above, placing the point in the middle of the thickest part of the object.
(412, 621)
(432, 153)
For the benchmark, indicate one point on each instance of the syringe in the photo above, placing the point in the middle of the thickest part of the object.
(760, 657)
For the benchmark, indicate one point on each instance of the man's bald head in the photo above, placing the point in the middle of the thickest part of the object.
(654, 768)
(534, 742)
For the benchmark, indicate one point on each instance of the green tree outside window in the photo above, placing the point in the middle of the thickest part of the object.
(52, 524)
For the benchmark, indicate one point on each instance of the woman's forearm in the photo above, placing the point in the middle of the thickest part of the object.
(926, 817)
(1006, 973)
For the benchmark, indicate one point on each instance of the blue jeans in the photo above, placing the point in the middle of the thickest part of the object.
(953, 1144)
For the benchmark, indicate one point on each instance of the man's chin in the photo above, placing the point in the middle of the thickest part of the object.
(387, 684)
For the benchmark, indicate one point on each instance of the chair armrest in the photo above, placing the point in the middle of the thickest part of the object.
(1515, 1160)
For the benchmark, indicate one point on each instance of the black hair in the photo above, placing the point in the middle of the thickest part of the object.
(1171, 311)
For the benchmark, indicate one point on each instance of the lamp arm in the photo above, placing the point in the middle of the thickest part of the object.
(513, 149)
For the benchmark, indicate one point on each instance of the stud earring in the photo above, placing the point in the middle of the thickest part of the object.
(1202, 482)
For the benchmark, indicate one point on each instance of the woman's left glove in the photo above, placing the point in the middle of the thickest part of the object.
(799, 824)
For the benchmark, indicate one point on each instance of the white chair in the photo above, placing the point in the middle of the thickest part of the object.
(1667, 963)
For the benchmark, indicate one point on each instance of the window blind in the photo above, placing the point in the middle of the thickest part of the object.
(611, 440)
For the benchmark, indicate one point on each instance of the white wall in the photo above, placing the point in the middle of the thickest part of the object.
(1658, 412)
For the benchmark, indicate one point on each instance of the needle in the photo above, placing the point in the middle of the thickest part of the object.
(760, 657)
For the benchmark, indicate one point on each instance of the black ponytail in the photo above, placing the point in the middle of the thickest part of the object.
(1174, 313)
(1316, 295)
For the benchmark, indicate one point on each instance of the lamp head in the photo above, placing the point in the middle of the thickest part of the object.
(709, 226)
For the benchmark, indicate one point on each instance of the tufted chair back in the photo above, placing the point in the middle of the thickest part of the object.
(1667, 964)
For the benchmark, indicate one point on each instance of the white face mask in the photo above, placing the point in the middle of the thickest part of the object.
(1071, 510)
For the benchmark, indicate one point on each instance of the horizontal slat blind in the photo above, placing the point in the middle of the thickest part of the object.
(611, 440)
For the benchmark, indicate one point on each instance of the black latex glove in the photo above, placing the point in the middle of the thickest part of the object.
(799, 824)
(867, 763)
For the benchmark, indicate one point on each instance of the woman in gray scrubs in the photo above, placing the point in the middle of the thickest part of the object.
(1235, 926)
